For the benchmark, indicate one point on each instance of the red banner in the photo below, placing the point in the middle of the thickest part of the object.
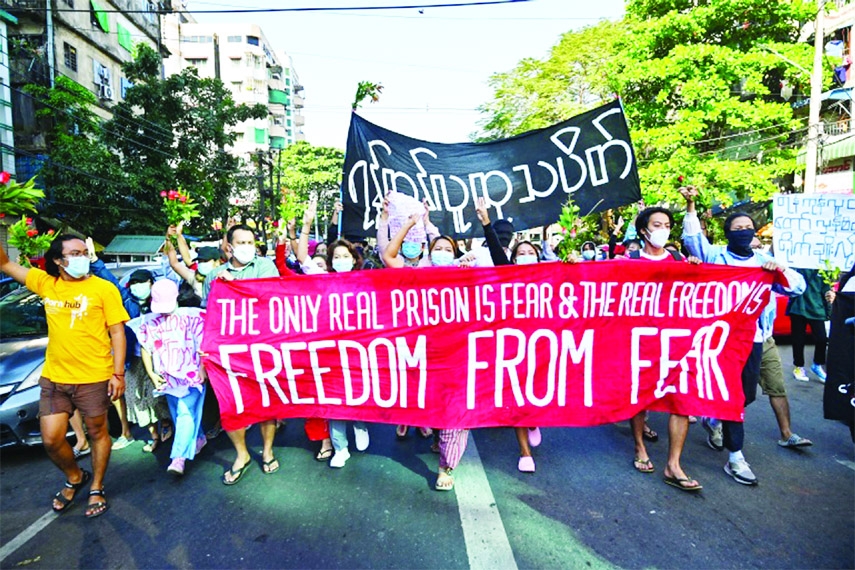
(541, 345)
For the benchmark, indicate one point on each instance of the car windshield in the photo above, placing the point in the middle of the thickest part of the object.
(22, 314)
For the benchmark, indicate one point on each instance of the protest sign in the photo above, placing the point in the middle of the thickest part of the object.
(551, 344)
(811, 229)
(525, 179)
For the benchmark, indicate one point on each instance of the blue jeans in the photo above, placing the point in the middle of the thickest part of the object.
(338, 433)
(187, 417)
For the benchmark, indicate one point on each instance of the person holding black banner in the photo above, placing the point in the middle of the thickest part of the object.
(740, 231)
(523, 253)
(243, 263)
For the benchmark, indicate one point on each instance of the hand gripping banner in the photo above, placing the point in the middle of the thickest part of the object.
(546, 345)
(525, 179)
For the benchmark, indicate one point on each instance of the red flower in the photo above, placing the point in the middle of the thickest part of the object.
(163, 193)
(275, 223)
(32, 233)
(50, 232)
(29, 221)
(182, 199)
(172, 194)
(5, 177)
(680, 179)
(2, 215)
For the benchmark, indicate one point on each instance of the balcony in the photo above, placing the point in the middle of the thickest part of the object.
(277, 142)
(298, 102)
(277, 131)
(278, 97)
(299, 120)
(841, 127)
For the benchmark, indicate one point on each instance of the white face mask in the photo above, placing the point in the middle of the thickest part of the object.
(244, 253)
(442, 258)
(342, 265)
(658, 238)
(77, 266)
(141, 291)
(204, 267)
(588, 254)
(527, 259)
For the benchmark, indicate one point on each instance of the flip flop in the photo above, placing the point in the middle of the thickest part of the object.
(150, 445)
(75, 487)
(679, 482)
(92, 509)
(650, 435)
(401, 432)
(646, 466)
(236, 474)
(267, 466)
(425, 432)
(324, 454)
(78, 453)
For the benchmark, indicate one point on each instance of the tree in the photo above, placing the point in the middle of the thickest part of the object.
(174, 132)
(84, 184)
(304, 169)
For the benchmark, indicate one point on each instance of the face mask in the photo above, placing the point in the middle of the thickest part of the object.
(77, 266)
(588, 255)
(244, 253)
(658, 238)
(528, 259)
(141, 291)
(411, 249)
(739, 241)
(342, 265)
(442, 258)
(204, 267)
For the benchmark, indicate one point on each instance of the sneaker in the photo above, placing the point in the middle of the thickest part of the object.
(526, 464)
(740, 471)
(122, 442)
(820, 373)
(176, 467)
(200, 443)
(534, 437)
(799, 374)
(339, 458)
(715, 438)
(361, 437)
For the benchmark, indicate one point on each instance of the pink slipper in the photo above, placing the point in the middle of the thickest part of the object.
(526, 464)
(534, 437)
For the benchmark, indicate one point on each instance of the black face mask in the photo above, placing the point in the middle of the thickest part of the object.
(739, 242)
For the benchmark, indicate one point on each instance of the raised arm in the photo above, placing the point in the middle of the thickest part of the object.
(497, 252)
(177, 266)
(13, 269)
(390, 255)
(332, 229)
(383, 227)
(693, 238)
(303, 243)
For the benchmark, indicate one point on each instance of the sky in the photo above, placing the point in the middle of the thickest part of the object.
(434, 63)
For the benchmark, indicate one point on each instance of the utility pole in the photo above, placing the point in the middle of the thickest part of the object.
(815, 129)
(260, 180)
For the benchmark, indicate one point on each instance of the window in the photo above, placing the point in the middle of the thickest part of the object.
(200, 62)
(124, 37)
(234, 39)
(235, 62)
(236, 86)
(260, 136)
(252, 40)
(98, 17)
(70, 56)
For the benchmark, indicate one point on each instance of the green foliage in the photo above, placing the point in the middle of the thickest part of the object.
(700, 82)
(24, 237)
(305, 169)
(366, 90)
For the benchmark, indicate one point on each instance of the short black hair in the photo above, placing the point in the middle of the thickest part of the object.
(236, 227)
(54, 252)
(733, 216)
(644, 217)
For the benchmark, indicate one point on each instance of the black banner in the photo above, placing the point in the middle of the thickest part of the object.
(525, 179)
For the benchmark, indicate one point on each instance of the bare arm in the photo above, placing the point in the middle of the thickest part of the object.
(13, 269)
(116, 386)
(183, 248)
(303, 244)
(390, 254)
(156, 378)
(181, 269)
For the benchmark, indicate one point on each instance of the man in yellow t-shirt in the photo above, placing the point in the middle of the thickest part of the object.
(84, 361)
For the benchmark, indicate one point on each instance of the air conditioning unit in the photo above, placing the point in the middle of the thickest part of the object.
(106, 92)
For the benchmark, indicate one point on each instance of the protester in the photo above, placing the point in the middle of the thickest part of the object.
(207, 258)
(170, 338)
(589, 251)
(524, 253)
(740, 231)
(244, 264)
(342, 257)
(838, 402)
(84, 361)
(810, 308)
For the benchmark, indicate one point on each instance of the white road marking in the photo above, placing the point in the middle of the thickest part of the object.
(26, 535)
(849, 464)
(487, 543)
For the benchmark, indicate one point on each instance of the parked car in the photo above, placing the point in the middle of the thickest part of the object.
(7, 285)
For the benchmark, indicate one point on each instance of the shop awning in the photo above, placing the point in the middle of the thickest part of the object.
(841, 148)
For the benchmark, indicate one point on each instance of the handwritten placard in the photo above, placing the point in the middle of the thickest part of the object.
(813, 228)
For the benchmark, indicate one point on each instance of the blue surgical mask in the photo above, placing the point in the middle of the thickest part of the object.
(411, 249)
(77, 266)
(141, 291)
(342, 265)
(204, 267)
(588, 254)
(526, 259)
(442, 258)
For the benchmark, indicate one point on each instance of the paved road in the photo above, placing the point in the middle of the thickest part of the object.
(584, 508)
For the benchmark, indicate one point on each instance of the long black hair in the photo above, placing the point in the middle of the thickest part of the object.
(54, 252)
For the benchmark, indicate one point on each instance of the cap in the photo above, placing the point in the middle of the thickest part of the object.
(505, 231)
(164, 296)
(140, 276)
(208, 253)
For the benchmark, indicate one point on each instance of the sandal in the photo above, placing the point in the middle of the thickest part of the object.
(150, 445)
(78, 453)
(75, 487)
(401, 432)
(98, 508)
(643, 465)
(434, 447)
(682, 483)
(445, 481)
(650, 435)
(267, 467)
(425, 432)
(324, 454)
(165, 433)
(236, 475)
